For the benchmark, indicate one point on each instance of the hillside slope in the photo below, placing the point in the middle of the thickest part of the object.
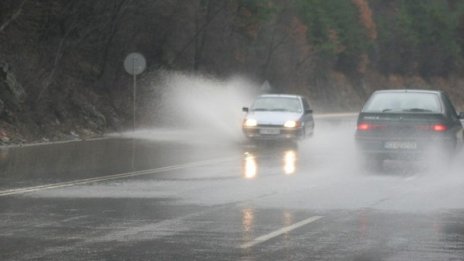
(61, 73)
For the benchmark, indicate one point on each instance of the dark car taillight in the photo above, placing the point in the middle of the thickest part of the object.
(434, 127)
(364, 126)
(439, 127)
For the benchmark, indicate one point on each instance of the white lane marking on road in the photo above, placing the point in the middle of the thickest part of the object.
(411, 178)
(279, 232)
(46, 143)
(113, 177)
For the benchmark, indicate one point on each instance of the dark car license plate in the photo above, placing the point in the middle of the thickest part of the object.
(269, 131)
(400, 145)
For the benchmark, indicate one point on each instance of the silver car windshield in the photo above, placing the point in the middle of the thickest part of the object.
(404, 102)
(284, 104)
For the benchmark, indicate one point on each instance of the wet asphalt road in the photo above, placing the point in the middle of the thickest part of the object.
(184, 195)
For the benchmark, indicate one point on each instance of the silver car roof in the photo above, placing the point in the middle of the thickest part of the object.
(281, 95)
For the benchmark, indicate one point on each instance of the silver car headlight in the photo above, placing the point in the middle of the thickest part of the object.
(292, 124)
(250, 123)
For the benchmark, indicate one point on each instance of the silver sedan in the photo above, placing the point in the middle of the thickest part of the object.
(278, 117)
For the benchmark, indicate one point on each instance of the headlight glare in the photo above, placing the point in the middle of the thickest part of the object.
(291, 124)
(250, 123)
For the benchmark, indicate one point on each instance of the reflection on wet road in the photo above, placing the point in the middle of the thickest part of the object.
(39, 165)
(171, 199)
(264, 160)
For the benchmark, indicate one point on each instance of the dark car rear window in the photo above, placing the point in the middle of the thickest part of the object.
(403, 102)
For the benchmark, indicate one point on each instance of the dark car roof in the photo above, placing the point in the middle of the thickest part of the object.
(410, 91)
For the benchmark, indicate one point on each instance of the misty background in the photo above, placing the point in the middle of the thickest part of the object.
(62, 74)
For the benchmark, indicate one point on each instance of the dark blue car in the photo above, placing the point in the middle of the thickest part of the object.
(405, 124)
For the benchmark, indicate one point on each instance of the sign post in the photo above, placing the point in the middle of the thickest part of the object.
(134, 64)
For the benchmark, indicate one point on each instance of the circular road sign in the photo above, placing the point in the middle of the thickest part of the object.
(135, 63)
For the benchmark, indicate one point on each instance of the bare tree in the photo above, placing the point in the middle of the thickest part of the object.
(13, 17)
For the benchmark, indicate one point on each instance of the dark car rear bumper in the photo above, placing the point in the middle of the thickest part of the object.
(405, 148)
